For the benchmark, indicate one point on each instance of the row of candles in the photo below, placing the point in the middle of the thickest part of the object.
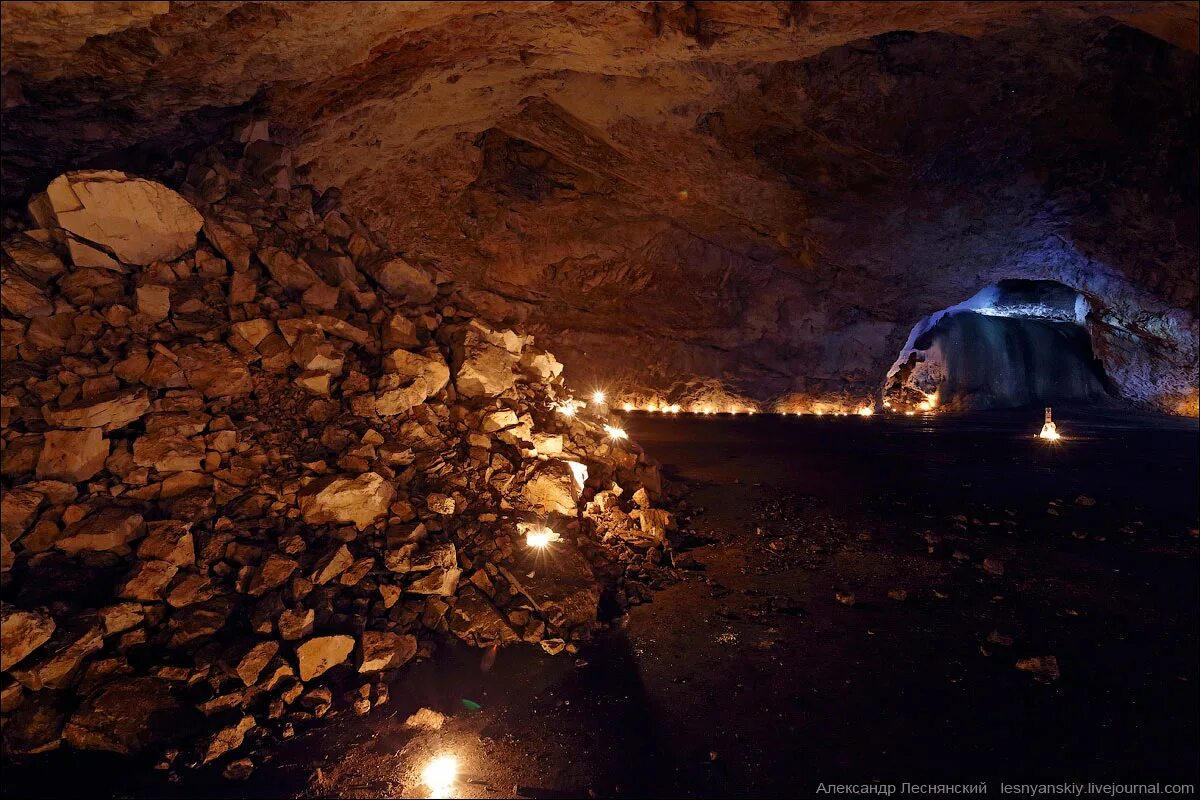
(599, 398)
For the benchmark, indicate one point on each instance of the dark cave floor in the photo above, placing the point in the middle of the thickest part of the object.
(751, 679)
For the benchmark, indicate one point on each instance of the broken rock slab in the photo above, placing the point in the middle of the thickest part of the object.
(21, 633)
(384, 650)
(108, 412)
(361, 500)
(320, 654)
(126, 716)
(136, 220)
(72, 456)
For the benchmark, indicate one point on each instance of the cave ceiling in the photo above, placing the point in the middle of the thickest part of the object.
(762, 195)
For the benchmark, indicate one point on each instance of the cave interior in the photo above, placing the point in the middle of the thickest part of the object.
(585, 351)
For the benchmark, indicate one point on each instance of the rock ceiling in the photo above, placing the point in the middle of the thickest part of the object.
(764, 195)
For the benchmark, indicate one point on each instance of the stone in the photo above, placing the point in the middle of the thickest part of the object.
(233, 239)
(1043, 668)
(361, 500)
(296, 623)
(272, 572)
(481, 368)
(290, 272)
(154, 302)
(121, 617)
(255, 660)
(332, 565)
(108, 412)
(168, 452)
(59, 660)
(442, 582)
(383, 650)
(553, 489)
(127, 716)
(72, 456)
(425, 719)
(170, 541)
(147, 581)
(18, 509)
(107, 529)
(316, 656)
(21, 633)
(402, 280)
(215, 370)
(137, 220)
(414, 558)
(22, 297)
(440, 504)
(228, 738)
(476, 621)
(410, 380)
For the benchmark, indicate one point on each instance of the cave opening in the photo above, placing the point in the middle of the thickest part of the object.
(1016, 342)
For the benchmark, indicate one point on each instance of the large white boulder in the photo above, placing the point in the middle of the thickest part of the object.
(102, 212)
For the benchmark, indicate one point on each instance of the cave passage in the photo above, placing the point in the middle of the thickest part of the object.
(1015, 343)
(493, 399)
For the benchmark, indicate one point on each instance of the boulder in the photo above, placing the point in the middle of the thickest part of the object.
(553, 489)
(170, 541)
(228, 738)
(476, 621)
(316, 656)
(214, 370)
(400, 279)
(383, 650)
(18, 509)
(361, 500)
(136, 220)
(332, 565)
(21, 633)
(409, 380)
(127, 716)
(72, 456)
(483, 365)
(147, 581)
(58, 661)
(107, 529)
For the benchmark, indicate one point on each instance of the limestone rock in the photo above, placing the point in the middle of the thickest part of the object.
(214, 370)
(21, 633)
(126, 716)
(58, 661)
(400, 279)
(137, 220)
(316, 656)
(228, 738)
(107, 529)
(383, 650)
(360, 500)
(482, 367)
(72, 456)
(109, 412)
(255, 660)
(170, 541)
(332, 565)
(147, 581)
(554, 489)
(476, 621)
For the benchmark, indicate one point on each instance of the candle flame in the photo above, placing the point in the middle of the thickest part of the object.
(540, 537)
(598, 398)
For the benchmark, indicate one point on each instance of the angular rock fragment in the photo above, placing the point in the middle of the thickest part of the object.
(316, 656)
(72, 456)
(137, 220)
(383, 650)
(21, 633)
(360, 500)
(126, 716)
(108, 412)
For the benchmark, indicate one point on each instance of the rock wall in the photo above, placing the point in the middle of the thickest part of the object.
(757, 198)
(254, 462)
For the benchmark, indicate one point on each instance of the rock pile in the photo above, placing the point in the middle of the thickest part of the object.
(253, 461)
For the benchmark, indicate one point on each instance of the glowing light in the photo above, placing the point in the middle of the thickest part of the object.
(1049, 429)
(910, 413)
(567, 410)
(540, 537)
(615, 433)
(651, 407)
(924, 405)
(628, 406)
(440, 773)
(674, 408)
(598, 398)
(866, 411)
(819, 412)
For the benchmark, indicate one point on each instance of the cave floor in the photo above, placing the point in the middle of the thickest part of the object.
(750, 678)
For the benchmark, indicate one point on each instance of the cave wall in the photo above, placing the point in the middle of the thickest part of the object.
(681, 200)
